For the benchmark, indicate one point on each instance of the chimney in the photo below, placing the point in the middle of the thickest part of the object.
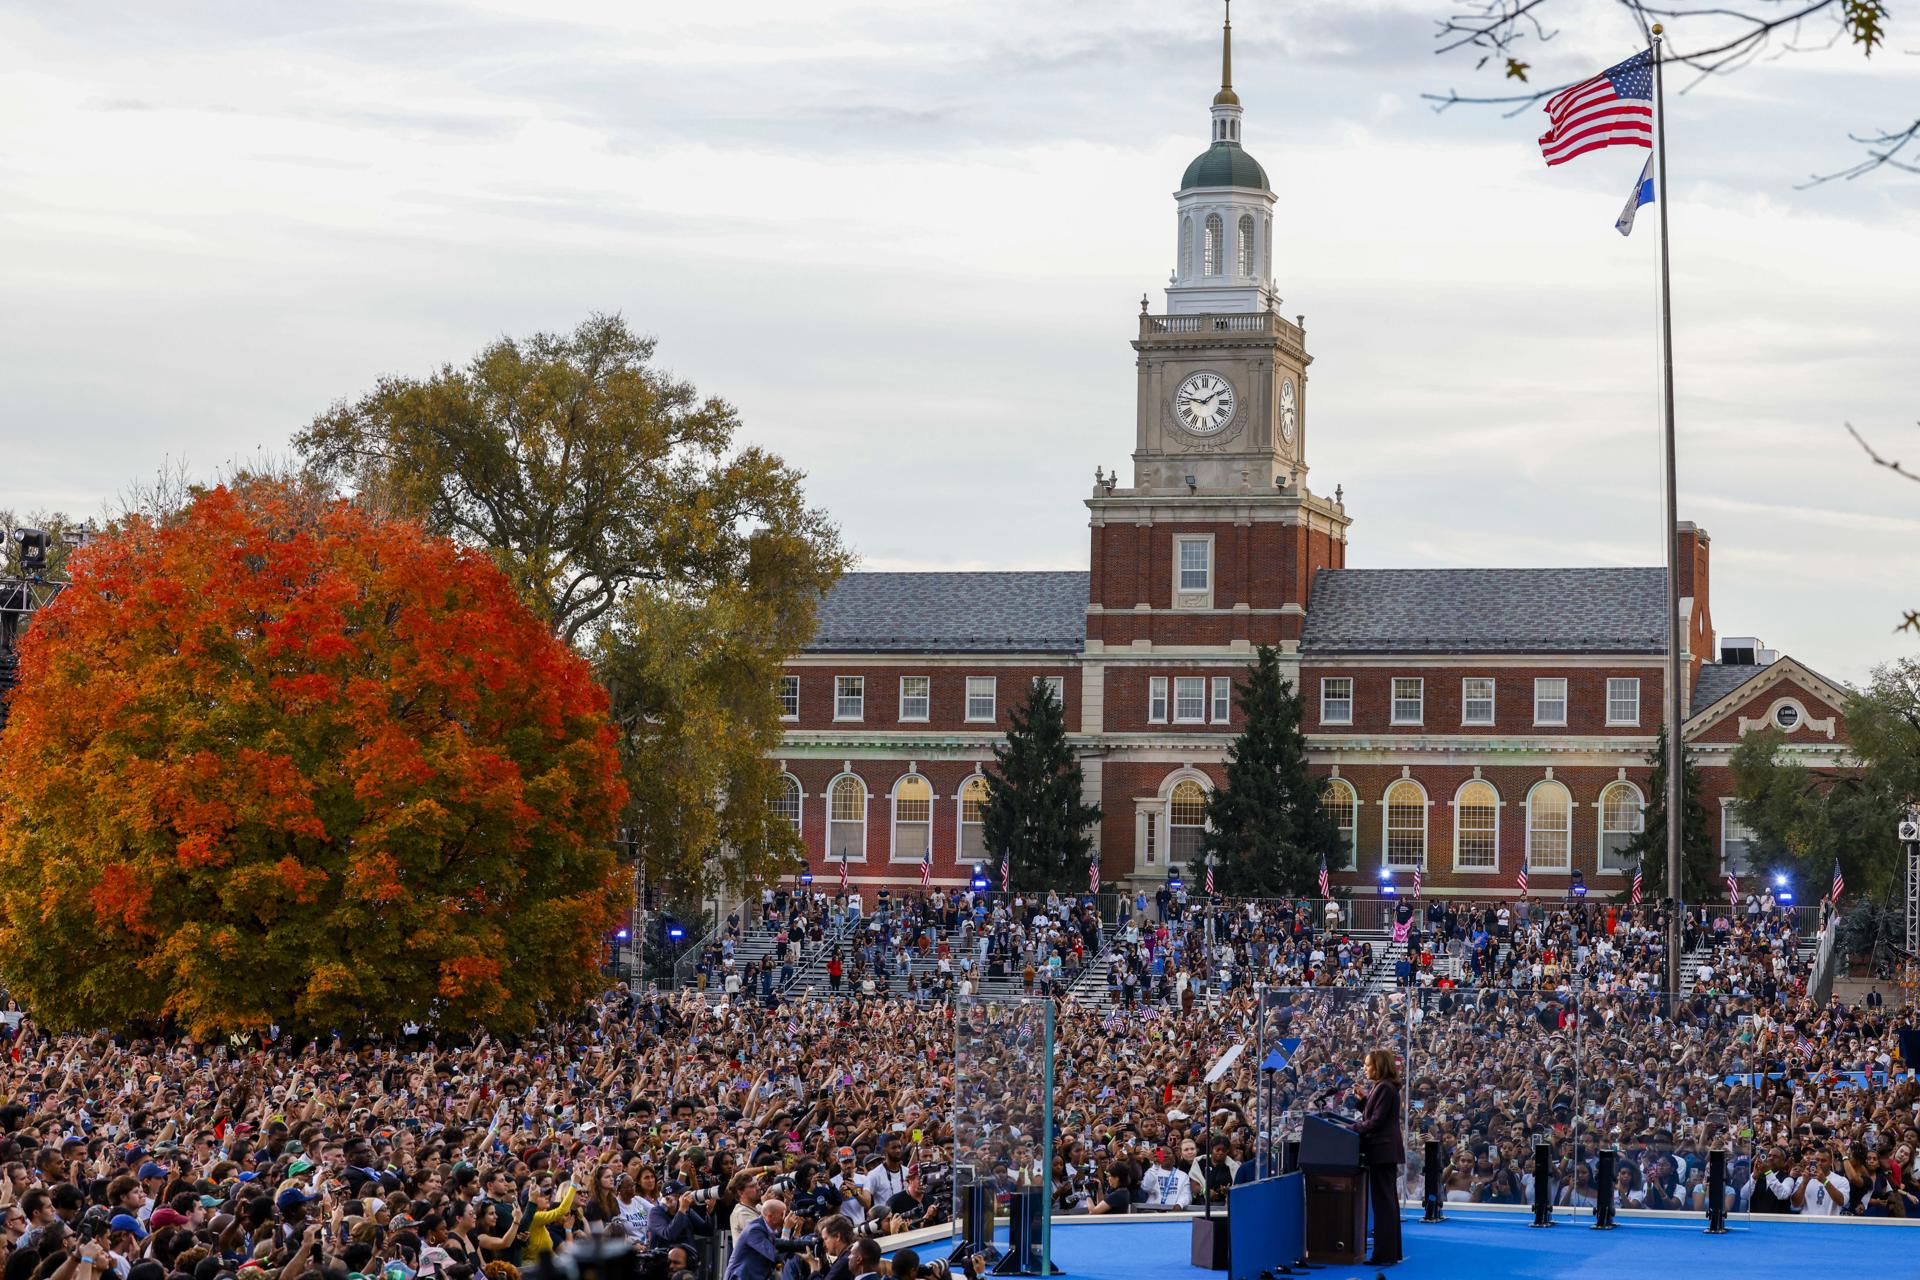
(1696, 612)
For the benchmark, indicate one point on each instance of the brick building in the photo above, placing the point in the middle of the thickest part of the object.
(1465, 719)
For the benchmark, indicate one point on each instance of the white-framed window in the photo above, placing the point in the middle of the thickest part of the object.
(973, 811)
(786, 800)
(1340, 799)
(847, 819)
(1409, 699)
(1152, 847)
(1623, 700)
(1786, 716)
(1246, 244)
(1186, 821)
(789, 697)
(1476, 827)
(1056, 685)
(912, 818)
(1738, 843)
(1216, 245)
(1186, 247)
(1196, 563)
(1222, 699)
(1622, 817)
(1156, 700)
(1549, 827)
(1190, 700)
(1476, 700)
(916, 697)
(1550, 700)
(849, 697)
(980, 698)
(1404, 835)
(1336, 700)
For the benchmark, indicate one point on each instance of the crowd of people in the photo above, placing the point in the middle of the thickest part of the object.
(761, 1135)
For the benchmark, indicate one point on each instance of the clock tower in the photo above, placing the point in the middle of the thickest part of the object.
(1215, 541)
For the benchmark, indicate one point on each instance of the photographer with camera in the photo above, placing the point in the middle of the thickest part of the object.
(910, 1209)
(677, 1218)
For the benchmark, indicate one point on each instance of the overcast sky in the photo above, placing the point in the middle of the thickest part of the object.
(909, 241)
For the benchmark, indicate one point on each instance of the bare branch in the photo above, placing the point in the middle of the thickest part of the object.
(1882, 149)
(1890, 464)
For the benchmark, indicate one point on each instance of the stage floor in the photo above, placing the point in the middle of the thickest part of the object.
(1504, 1245)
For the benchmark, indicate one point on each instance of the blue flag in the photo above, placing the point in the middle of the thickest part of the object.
(1642, 194)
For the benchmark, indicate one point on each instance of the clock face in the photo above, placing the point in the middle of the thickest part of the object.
(1204, 403)
(1286, 410)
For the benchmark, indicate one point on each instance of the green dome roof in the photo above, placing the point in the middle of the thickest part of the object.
(1225, 164)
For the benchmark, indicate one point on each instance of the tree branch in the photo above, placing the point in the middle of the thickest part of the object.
(1891, 464)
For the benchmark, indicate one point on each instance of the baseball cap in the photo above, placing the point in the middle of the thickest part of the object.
(302, 1165)
(293, 1198)
(127, 1222)
(165, 1217)
(676, 1187)
(152, 1170)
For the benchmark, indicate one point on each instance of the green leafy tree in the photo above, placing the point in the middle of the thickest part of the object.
(1699, 867)
(1034, 812)
(619, 503)
(1266, 828)
(1807, 815)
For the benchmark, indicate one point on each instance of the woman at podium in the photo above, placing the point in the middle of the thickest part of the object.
(1384, 1148)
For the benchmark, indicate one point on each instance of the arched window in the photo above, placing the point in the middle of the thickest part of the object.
(912, 818)
(1476, 828)
(1186, 822)
(1406, 832)
(1186, 247)
(1622, 817)
(973, 812)
(847, 820)
(1246, 244)
(1215, 258)
(1340, 801)
(786, 799)
(1549, 827)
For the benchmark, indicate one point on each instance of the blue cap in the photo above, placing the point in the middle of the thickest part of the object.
(152, 1170)
(293, 1198)
(127, 1222)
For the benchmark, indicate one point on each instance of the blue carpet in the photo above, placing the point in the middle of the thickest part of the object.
(1478, 1245)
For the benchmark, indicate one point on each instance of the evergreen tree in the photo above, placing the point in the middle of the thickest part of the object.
(1699, 868)
(1034, 812)
(1266, 827)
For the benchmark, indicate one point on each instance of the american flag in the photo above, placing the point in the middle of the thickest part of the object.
(1733, 889)
(1006, 872)
(1839, 883)
(926, 871)
(843, 873)
(1612, 109)
(1326, 885)
(1093, 876)
(1521, 879)
(1636, 885)
(1209, 880)
(1416, 882)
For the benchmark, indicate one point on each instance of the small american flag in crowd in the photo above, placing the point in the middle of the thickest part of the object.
(1636, 886)
(1326, 886)
(1612, 109)
(1006, 872)
(1839, 883)
(1733, 889)
(1093, 876)
(843, 873)
(926, 871)
(1209, 880)
(1416, 882)
(1521, 879)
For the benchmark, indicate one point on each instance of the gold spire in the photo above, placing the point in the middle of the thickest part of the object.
(1226, 96)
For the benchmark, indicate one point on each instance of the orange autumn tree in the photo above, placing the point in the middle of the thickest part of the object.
(278, 760)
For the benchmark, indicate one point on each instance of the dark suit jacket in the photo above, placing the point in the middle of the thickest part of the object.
(1381, 1141)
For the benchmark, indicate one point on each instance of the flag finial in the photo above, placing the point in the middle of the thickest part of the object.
(1226, 96)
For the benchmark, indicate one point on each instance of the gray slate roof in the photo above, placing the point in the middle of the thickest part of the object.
(1717, 680)
(1025, 612)
(1487, 611)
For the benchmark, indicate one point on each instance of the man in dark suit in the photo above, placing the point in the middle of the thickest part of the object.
(1383, 1147)
(757, 1251)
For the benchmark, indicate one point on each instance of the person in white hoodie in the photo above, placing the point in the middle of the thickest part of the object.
(1166, 1186)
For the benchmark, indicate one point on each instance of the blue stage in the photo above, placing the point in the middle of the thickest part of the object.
(1483, 1244)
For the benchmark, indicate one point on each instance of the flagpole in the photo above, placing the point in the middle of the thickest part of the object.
(1676, 711)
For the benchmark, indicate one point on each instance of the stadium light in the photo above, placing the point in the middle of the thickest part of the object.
(1780, 880)
(979, 882)
(621, 936)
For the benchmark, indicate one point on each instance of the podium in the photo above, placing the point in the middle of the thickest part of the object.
(1336, 1191)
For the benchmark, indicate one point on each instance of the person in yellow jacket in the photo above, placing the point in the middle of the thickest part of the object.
(545, 1214)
